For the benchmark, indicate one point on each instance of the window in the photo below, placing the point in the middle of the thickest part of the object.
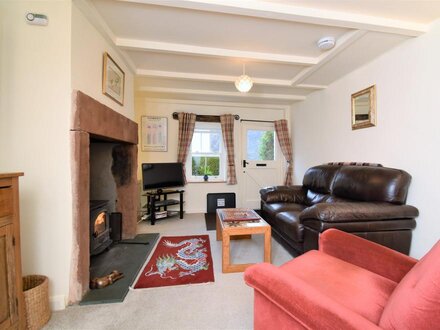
(206, 155)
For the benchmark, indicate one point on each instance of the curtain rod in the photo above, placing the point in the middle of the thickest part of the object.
(206, 118)
(259, 121)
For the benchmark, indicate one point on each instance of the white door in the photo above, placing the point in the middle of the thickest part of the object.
(261, 161)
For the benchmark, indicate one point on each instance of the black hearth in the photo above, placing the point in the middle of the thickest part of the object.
(99, 226)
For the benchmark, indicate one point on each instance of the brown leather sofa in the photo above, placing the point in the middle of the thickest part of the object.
(364, 200)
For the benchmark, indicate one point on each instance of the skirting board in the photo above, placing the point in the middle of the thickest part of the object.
(57, 303)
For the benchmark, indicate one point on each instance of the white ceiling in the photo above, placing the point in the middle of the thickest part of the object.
(195, 49)
(418, 11)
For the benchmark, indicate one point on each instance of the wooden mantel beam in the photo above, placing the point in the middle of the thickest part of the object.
(205, 118)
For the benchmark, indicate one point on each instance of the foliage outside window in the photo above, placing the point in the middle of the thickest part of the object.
(261, 145)
(209, 165)
(266, 146)
(206, 154)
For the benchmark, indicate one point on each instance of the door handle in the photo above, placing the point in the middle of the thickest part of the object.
(245, 163)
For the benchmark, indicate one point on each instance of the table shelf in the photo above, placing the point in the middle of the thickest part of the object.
(157, 200)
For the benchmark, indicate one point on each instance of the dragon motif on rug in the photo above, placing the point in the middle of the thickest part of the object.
(189, 259)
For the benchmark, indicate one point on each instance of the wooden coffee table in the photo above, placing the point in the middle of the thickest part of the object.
(226, 229)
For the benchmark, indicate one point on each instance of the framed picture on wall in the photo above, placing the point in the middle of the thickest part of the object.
(154, 133)
(113, 79)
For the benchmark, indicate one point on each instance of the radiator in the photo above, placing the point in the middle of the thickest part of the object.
(216, 201)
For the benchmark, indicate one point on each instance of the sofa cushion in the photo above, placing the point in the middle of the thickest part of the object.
(319, 178)
(361, 226)
(335, 199)
(358, 211)
(313, 198)
(275, 208)
(289, 224)
(415, 303)
(285, 194)
(372, 184)
(365, 293)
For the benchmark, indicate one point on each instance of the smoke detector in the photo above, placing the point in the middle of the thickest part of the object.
(326, 43)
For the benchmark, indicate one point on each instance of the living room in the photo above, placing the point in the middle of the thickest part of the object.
(393, 45)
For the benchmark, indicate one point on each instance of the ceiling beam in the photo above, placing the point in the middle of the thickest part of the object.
(166, 47)
(311, 86)
(279, 97)
(270, 10)
(207, 77)
(236, 104)
(343, 42)
(220, 78)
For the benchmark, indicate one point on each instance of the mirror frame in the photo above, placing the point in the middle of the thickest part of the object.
(372, 112)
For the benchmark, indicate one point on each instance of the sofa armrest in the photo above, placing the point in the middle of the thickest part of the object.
(358, 211)
(289, 194)
(302, 302)
(366, 254)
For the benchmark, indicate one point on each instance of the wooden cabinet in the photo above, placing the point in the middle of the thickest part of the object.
(11, 292)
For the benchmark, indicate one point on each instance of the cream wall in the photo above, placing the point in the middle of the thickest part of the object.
(35, 101)
(88, 47)
(407, 134)
(195, 193)
(39, 66)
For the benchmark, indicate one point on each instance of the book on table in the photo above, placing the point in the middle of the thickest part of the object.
(240, 215)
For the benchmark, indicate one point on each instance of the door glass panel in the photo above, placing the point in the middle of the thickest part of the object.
(260, 145)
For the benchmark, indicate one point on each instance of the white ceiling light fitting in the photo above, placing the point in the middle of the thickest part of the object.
(244, 83)
(326, 43)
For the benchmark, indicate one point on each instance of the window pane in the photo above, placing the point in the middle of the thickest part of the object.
(214, 144)
(202, 165)
(260, 145)
(206, 141)
(196, 142)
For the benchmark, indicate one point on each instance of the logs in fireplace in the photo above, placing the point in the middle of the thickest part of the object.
(99, 226)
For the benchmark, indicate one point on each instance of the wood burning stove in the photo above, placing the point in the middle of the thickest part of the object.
(99, 226)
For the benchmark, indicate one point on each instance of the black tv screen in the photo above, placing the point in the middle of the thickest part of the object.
(162, 175)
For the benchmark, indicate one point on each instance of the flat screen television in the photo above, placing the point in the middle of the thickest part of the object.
(162, 175)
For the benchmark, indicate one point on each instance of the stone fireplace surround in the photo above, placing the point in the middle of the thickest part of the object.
(93, 119)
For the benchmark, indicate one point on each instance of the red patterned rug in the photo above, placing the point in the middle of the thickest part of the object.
(178, 260)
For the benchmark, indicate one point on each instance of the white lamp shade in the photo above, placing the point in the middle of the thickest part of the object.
(244, 83)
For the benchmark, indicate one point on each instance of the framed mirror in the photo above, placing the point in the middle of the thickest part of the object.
(363, 108)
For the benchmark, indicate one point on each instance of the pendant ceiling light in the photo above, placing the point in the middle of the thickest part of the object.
(244, 82)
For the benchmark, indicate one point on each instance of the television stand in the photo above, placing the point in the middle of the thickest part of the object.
(158, 199)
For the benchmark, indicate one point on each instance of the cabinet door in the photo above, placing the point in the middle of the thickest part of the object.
(8, 301)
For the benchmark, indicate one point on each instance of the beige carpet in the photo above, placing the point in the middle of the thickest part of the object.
(225, 304)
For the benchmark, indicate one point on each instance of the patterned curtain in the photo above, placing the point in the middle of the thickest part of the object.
(187, 122)
(286, 147)
(227, 122)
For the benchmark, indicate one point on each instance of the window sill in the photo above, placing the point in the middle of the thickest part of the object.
(209, 181)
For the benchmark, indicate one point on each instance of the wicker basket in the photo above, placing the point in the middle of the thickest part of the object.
(36, 300)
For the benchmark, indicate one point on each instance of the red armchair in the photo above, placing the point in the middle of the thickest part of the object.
(350, 283)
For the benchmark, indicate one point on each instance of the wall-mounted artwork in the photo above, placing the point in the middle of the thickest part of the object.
(113, 79)
(154, 133)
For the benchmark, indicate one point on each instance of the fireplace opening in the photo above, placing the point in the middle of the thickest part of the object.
(102, 180)
(99, 227)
